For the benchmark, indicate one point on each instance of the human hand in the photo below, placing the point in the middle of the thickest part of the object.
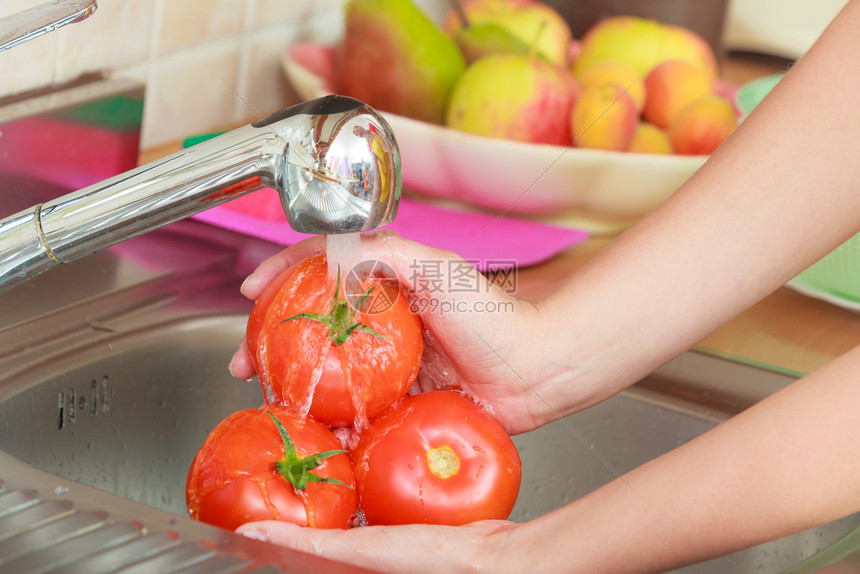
(411, 548)
(480, 339)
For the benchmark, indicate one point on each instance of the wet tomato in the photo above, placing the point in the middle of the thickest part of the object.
(436, 458)
(342, 358)
(253, 468)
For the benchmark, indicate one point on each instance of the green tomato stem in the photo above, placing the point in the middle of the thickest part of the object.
(297, 470)
(339, 319)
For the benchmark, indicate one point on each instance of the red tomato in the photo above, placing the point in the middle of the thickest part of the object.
(436, 458)
(300, 332)
(240, 473)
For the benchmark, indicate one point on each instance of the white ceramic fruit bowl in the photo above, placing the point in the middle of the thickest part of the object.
(598, 190)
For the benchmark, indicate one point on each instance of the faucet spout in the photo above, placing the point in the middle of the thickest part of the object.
(334, 161)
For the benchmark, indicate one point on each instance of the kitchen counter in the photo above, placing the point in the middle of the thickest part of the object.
(786, 331)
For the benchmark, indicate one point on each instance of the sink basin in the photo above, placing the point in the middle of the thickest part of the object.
(105, 400)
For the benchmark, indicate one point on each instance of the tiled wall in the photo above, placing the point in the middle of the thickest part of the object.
(207, 63)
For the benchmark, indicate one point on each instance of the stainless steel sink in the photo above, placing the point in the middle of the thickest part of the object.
(106, 394)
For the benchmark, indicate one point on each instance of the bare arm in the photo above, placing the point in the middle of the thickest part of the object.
(782, 192)
(779, 195)
(786, 464)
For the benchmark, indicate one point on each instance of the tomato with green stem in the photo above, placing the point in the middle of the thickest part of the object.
(267, 465)
(333, 356)
(436, 458)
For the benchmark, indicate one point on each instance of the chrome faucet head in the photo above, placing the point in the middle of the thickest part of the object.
(334, 161)
(341, 168)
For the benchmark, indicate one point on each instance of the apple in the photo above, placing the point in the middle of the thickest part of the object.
(643, 44)
(533, 22)
(648, 138)
(702, 126)
(670, 87)
(619, 73)
(514, 97)
(604, 117)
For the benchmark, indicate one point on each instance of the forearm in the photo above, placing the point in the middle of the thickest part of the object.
(786, 464)
(778, 195)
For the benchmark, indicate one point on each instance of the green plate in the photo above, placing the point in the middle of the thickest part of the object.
(750, 94)
(835, 278)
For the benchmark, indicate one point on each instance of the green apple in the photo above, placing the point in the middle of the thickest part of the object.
(395, 58)
(514, 97)
(533, 22)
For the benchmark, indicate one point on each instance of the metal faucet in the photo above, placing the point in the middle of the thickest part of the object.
(334, 161)
(42, 19)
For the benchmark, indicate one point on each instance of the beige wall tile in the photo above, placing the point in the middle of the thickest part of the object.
(139, 72)
(263, 84)
(118, 34)
(191, 91)
(274, 12)
(29, 65)
(192, 54)
(190, 22)
(9, 7)
(325, 23)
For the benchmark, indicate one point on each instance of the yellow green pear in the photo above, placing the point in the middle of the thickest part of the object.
(395, 58)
